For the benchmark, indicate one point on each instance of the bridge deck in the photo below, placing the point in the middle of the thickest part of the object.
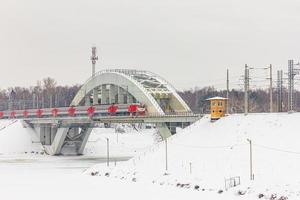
(67, 121)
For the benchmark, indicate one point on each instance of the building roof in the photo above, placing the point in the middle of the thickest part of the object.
(216, 98)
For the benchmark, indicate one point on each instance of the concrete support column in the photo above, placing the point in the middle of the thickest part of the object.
(112, 94)
(163, 129)
(53, 134)
(85, 135)
(57, 143)
(104, 95)
(47, 135)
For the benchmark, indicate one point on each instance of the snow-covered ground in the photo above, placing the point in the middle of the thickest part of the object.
(27, 173)
(15, 139)
(127, 144)
(205, 154)
(200, 158)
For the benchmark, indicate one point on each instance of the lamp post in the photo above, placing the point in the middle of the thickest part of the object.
(166, 153)
(251, 164)
(107, 151)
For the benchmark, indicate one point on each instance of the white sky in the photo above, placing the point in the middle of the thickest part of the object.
(188, 42)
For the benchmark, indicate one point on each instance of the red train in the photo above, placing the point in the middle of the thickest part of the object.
(135, 109)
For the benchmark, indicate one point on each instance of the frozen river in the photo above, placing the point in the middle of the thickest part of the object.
(57, 177)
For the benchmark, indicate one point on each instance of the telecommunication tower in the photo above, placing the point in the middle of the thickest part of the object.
(94, 59)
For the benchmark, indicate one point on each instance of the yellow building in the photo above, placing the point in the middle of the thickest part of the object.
(217, 107)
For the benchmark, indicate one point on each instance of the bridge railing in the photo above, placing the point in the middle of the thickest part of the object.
(120, 110)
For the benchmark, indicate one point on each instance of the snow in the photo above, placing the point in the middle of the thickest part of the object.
(216, 98)
(202, 155)
(16, 139)
(128, 143)
(206, 153)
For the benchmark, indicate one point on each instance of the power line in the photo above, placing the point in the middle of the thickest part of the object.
(209, 147)
(276, 149)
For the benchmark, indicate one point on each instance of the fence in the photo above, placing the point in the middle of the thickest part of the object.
(232, 182)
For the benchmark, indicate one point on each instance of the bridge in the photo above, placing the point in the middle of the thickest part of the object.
(108, 97)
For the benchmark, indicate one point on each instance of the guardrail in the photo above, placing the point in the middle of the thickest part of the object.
(99, 111)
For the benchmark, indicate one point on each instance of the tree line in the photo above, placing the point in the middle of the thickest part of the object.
(259, 99)
(47, 93)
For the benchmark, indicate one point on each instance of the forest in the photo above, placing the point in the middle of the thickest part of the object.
(47, 93)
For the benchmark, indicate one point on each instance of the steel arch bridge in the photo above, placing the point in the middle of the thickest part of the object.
(142, 86)
(164, 106)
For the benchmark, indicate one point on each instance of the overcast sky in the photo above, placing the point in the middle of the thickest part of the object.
(188, 42)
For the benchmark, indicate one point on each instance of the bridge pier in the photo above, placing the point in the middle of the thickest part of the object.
(163, 130)
(55, 147)
(69, 140)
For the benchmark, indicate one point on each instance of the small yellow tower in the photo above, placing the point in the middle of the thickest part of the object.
(217, 107)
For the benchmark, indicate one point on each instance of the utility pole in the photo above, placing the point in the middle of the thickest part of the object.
(290, 84)
(271, 90)
(94, 59)
(292, 72)
(227, 91)
(251, 164)
(166, 146)
(246, 88)
(279, 90)
(107, 151)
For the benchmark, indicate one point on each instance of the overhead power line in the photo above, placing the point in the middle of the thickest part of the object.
(209, 147)
(276, 149)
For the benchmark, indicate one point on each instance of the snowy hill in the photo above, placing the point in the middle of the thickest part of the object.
(205, 154)
(15, 139)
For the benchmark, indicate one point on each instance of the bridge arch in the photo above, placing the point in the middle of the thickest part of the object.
(156, 93)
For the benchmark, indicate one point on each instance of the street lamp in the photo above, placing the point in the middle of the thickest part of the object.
(107, 151)
(251, 165)
(166, 153)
